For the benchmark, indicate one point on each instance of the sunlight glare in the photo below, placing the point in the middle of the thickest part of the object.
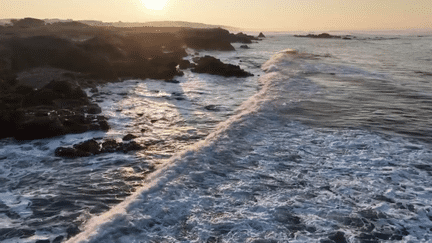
(154, 4)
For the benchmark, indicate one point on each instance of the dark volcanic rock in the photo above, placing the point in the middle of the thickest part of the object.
(109, 146)
(261, 35)
(129, 137)
(58, 108)
(184, 64)
(211, 65)
(244, 47)
(92, 147)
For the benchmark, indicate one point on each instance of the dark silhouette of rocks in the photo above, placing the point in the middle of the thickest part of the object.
(79, 55)
(56, 109)
(129, 137)
(325, 36)
(93, 147)
(261, 35)
(244, 47)
(211, 65)
(107, 53)
(27, 23)
(213, 39)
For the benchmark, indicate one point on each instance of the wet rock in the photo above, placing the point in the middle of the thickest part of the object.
(244, 47)
(93, 147)
(109, 146)
(184, 64)
(103, 124)
(91, 109)
(261, 35)
(211, 65)
(129, 137)
(57, 108)
(131, 146)
(90, 146)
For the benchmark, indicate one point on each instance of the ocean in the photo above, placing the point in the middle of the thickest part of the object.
(329, 141)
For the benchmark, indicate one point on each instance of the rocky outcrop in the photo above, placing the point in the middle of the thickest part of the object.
(213, 39)
(90, 56)
(93, 147)
(325, 36)
(261, 35)
(211, 65)
(103, 58)
(56, 109)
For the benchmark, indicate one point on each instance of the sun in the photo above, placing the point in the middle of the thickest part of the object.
(154, 4)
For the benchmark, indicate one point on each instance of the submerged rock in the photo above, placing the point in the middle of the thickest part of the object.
(93, 147)
(211, 65)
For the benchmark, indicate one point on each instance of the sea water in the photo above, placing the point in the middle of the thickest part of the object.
(328, 142)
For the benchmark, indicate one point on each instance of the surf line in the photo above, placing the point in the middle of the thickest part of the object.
(161, 176)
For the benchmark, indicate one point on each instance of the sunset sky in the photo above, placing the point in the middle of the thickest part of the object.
(284, 15)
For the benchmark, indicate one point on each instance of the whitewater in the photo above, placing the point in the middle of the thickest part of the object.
(328, 142)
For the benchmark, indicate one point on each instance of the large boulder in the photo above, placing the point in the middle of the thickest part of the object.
(211, 65)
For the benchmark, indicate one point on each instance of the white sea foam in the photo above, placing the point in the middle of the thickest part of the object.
(261, 176)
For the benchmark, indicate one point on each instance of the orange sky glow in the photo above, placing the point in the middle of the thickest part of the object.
(281, 15)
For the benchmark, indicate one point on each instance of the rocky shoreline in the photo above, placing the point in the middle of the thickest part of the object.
(44, 68)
